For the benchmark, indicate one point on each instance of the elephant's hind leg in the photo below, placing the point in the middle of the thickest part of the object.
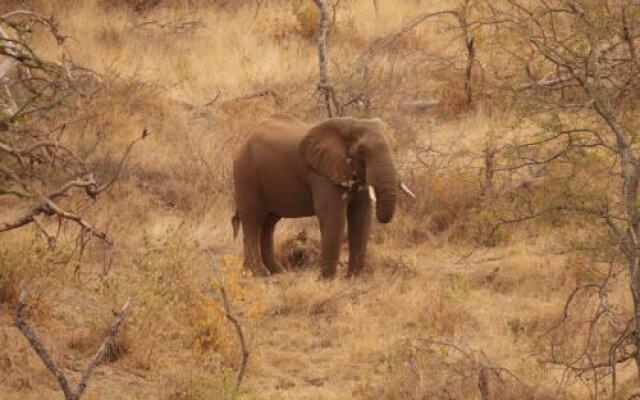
(252, 228)
(266, 244)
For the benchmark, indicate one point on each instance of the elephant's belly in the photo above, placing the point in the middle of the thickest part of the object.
(289, 201)
(282, 177)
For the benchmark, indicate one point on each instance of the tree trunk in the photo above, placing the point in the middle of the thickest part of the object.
(630, 190)
(324, 85)
(629, 172)
(469, 45)
(471, 54)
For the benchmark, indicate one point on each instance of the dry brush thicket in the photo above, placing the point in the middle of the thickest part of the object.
(513, 275)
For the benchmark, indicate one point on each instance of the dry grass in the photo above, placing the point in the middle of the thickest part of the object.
(309, 339)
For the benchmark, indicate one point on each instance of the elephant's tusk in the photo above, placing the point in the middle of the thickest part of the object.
(406, 189)
(372, 194)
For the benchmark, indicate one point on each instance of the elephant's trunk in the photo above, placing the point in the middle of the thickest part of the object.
(386, 205)
(385, 181)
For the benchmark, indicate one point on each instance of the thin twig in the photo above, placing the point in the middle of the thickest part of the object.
(99, 355)
(232, 318)
(106, 186)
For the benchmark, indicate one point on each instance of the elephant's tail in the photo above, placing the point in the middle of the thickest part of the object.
(235, 222)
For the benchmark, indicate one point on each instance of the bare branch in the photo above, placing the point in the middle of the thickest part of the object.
(260, 93)
(99, 355)
(474, 364)
(35, 343)
(48, 207)
(232, 318)
(106, 186)
(20, 221)
(388, 40)
(46, 204)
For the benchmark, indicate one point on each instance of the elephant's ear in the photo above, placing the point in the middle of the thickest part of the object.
(324, 148)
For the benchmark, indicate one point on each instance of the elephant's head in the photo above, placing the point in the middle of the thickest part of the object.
(352, 151)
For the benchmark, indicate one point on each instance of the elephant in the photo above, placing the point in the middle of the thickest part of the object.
(338, 169)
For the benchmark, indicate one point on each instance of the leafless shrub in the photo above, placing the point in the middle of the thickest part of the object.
(446, 369)
(39, 170)
(593, 335)
(467, 20)
(570, 75)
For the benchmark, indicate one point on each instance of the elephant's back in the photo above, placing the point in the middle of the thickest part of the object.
(279, 129)
(276, 137)
(276, 166)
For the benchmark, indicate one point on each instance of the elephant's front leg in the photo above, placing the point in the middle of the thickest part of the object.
(359, 223)
(330, 207)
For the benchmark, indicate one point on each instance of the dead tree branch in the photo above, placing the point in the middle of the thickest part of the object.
(36, 344)
(388, 40)
(267, 92)
(46, 203)
(586, 56)
(469, 45)
(38, 169)
(458, 358)
(179, 25)
(226, 304)
(123, 160)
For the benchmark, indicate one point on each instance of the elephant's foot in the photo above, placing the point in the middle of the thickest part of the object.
(354, 271)
(353, 274)
(326, 277)
(259, 270)
(328, 273)
(274, 268)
